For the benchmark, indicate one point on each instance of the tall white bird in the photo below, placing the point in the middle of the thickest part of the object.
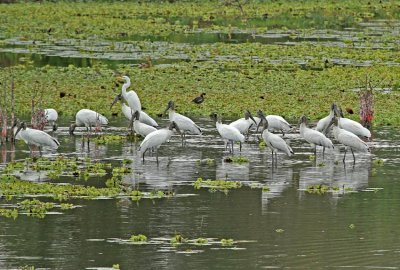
(154, 139)
(352, 126)
(36, 137)
(128, 112)
(275, 142)
(314, 137)
(87, 118)
(324, 124)
(141, 128)
(228, 133)
(243, 124)
(51, 117)
(184, 123)
(130, 96)
(275, 122)
(349, 140)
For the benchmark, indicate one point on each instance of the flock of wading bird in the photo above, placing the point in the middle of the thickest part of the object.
(345, 131)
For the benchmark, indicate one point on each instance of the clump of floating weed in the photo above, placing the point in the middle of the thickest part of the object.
(262, 145)
(264, 188)
(236, 159)
(214, 185)
(106, 139)
(115, 266)
(136, 195)
(201, 241)
(378, 162)
(139, 239)
(227, 242)
(9, 213)
(36, 208)
(177, 239)
(13, 166)
(208, 161)
(318, 189)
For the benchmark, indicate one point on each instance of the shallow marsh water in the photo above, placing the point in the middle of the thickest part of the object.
(355, 226)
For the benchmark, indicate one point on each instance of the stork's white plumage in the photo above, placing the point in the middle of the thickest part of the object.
(88, 119)
(228, 133)
(154, 139)
(275, 142)
(185, 124)
(314, 137)
(36, 137)
(141, 128)
(349, 139)
(130, 96)
(353, 127)
(51, 117)
(243, 124)
(275, 122)
(324, 123)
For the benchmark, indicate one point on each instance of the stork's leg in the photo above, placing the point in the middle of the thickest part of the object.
(344, 157)
(315, 150)
(54, 127)
(354, 157)
(240, 146)
(276, 157)
(231, 142)
(157, 155)
(323, 152)
(143, 155)
(40, 150)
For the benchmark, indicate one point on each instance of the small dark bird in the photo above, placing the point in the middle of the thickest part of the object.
(199, 99)
(349, 110)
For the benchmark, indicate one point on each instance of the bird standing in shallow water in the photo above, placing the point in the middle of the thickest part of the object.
(228, 133)
(141, 128)
(274, 142)
(199, 99)
(184, 123)
(154, 139)
(51, 117)
(349, 140)
(314, 137)
(275, 122)
(36, 137)
(243, 124)
(351, 125)
(87, 118)
(324, 124)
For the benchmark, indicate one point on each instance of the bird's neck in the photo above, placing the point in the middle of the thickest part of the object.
(302, 127)
(171, 113)
(124, 87)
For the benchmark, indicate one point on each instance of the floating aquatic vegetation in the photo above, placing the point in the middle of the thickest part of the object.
(138, 239)
(318, 189)
(279, 230)
(237, 159)
(378, 162)
(201, 241)
(214, 185)
(207, 161)
(227, 242)
(106, 139)
(177, 239)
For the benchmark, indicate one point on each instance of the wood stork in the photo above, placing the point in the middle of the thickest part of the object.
(199, 99)
(184, 123)
(275, 142)
(324, 124)
(243, 124)
(51, 117)
(87, 118)
(154, 139)
(131, 97)
(141, 128)
(349, 140)
(275, 122)
(352, 126)
(314, 137)
(36, 137)
(228, 133)
(128, 112)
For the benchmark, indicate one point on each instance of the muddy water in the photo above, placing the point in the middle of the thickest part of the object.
(355, 226)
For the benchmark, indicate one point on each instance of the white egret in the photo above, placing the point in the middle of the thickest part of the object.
(314, 137)
(36, 137)
(87, 118)
(228, 133)
(131, 97)
(349, 140)
(51, 117)
(324, 124)
(275, 122)
(352, 126)
(243, 124)
(141, 128)
(184, 123)
(154, 139)
(275, 142)
(128, 112)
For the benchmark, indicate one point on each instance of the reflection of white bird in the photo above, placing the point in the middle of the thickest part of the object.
(156, 138)
(51, 117)
(352, 126)
(243, 124)
(141, 128)
(314, 137)
(184, 123)
(324, 123)
(228, 133)
(349, 140)
(36, 137)
(275, 122)
(127, 112)
(275, 142)
(131, 97)
(87, 118)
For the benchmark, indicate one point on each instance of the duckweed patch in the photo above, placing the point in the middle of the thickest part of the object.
(138, 239)
(216, 185)
(106, 139)
(237, 159)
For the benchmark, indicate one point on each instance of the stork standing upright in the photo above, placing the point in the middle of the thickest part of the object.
(130, 96)
(324, 124)
(243, 124)
(275, 122)
(351, 125)
(228, 133)
(314, 137)
(184, 123)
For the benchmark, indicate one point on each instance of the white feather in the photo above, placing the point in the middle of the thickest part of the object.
(184, 123)
(230, 133)
(314, 137)
(242, 125)
(142, 128)
(131, 97)
(89, 118)
(143, 117)
(38, 138)
(155, 139)
(353, 127)
(276, 143)
(349, 139)
(275, 123)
